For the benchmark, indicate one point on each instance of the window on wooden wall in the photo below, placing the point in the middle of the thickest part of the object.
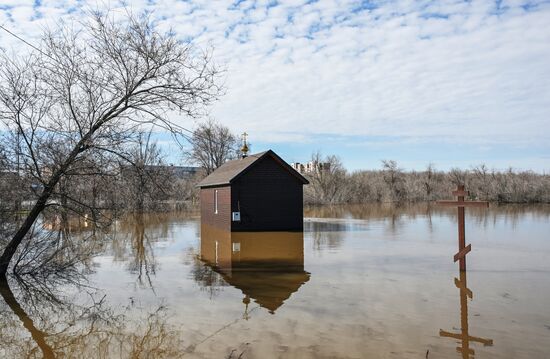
(216, 201)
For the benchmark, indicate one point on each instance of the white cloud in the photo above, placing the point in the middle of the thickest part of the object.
(465, 71)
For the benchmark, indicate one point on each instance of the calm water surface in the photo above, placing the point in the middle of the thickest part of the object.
(359, 282)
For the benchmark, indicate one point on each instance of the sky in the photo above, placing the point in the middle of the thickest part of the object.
(452, 83)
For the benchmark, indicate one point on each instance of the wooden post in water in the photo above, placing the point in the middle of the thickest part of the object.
(460, 193)
(464, 336)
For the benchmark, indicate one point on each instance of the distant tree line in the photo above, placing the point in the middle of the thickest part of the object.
(334, 185)
(141, 181)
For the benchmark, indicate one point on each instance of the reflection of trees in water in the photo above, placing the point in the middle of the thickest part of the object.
(330, 233)
(389, 213)
(204, 275)
(38, 336)
(327, 235)
(36, 301)
(372, 211)
(58, 251)
(59, 327)
(509, 214)
(325, 221)
(63, 245)
(134, 238)
(141, 257)
(393, 213)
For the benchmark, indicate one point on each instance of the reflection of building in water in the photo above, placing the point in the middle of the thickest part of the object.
(464, 336)
(266, 266)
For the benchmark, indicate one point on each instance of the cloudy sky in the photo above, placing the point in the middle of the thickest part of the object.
(455, 83)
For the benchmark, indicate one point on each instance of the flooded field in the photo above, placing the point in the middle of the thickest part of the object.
(369, 281)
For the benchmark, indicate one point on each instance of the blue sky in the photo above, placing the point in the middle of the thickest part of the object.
(455, 83)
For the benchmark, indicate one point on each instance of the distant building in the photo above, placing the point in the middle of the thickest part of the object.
(300, 167)
(180, 172)
(184, 172)
(310, 167)
(259, 192)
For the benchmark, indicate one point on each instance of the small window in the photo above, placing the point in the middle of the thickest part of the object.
(216, 201)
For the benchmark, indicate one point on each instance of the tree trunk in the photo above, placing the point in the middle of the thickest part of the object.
(37, 335)
(39, 206)
(10, 249)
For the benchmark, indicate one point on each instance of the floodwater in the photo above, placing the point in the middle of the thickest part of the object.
(371, 281)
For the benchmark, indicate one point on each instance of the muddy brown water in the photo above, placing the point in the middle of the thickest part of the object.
(373, 281)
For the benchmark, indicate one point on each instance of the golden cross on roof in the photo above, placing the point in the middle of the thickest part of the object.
(244, 148)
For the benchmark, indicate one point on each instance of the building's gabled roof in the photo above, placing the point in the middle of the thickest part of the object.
(271, 288)
(231, 170)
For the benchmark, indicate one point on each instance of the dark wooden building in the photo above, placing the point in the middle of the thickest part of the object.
(260, 192)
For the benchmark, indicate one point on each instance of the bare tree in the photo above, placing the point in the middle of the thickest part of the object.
(146, 178)
(5, 179)
(327, 179)
(185, 190)
(393, 176)
(482, 181)
(212, 145)
(457, 176)
(429, 181)
(87, 90)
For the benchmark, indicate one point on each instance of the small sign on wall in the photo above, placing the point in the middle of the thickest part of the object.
(236, 247)
(236, 216)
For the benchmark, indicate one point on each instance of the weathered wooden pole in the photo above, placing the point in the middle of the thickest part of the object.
(461, 228)
(460, 203)
(464, 336)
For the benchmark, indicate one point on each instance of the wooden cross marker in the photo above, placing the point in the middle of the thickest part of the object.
(460, 193)
(464, 336)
